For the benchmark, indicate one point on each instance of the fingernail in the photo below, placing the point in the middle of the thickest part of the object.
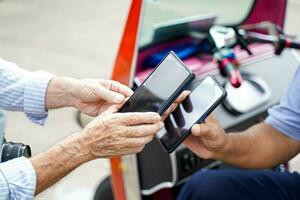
(161, 124)
(156, 116)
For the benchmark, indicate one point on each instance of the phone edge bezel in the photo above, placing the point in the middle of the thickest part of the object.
(200, 120)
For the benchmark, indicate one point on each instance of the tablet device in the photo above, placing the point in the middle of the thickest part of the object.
(161, 87)
(205, 96)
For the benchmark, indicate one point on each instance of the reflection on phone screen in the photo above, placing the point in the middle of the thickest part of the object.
(159, 87)
(192, 110)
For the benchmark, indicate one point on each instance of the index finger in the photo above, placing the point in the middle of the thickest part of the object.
(182, 96)
(120, 88)
(137, 118)
(175, 104)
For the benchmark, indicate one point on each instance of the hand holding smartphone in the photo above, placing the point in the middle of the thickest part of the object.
(205, 96)
(160, 90)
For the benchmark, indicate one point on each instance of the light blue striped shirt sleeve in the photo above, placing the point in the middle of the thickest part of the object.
(17, 180)
(21, 90)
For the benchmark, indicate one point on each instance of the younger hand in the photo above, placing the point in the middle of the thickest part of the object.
(176, 103)
(207, 139)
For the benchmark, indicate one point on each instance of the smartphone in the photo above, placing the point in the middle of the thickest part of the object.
(206, 94)
(161, 87)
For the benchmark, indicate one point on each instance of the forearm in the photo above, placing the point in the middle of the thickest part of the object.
(261, 146)
(60, 92)
(58, 161)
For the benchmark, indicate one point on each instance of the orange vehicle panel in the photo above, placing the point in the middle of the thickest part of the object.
(121, 73)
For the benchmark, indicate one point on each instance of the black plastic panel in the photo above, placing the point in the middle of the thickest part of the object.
(154, 165)
(188, 163)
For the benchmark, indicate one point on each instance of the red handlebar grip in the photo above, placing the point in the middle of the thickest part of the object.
(231, 72)
(236, 79)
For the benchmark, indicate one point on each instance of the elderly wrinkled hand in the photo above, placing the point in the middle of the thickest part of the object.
(108, 135)
(119, 134)
(90, 96)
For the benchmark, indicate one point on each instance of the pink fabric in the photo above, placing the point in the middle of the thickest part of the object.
(204, 64)
(268, 10)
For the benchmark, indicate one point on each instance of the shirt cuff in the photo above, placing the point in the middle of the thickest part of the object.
(35, 96)
(20, 178)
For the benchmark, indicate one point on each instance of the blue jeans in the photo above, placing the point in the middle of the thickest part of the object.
(241, 184)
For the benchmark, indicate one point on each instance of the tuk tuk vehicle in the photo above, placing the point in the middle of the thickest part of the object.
(154, 27)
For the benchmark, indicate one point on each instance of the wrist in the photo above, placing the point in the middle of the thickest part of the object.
(60, 92)
(74, 147)
(224, 150)
(57, 162)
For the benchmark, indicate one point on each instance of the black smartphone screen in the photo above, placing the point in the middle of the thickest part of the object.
(161, 87)
(204, 98)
